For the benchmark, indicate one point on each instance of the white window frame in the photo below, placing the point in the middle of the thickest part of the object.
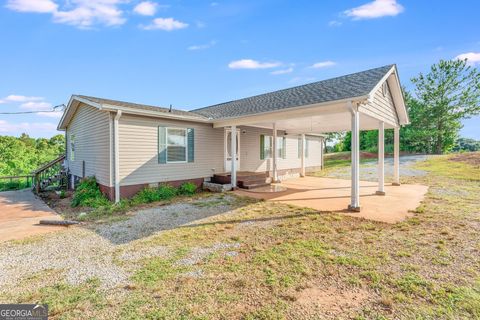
(186, 143)
(72, 147)
(271, 151)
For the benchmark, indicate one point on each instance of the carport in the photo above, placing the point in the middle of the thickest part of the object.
(368, 100)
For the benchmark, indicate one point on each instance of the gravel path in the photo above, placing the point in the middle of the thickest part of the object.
(368, 170)
(80, 253)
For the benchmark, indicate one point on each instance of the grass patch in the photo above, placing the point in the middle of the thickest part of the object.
(444, 166)
(67, 300)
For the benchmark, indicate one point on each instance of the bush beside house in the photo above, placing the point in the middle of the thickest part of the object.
(88, 195)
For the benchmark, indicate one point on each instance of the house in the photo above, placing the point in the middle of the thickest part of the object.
(128, 146)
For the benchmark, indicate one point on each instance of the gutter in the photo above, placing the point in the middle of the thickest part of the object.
(116, 155)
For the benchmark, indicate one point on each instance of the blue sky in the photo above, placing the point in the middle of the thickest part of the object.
(196, 53)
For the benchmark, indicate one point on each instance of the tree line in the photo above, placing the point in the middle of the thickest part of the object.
(440, 100)
(22, 155)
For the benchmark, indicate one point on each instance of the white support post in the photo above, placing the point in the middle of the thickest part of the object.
(355, 189)
(233, 152)
(274, 153)
(116, 155)
(381, 159)
(302, 156)
(396, 156)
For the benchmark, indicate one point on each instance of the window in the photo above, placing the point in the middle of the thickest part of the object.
(300, 147)
(266, 147)
(72, 147)
(176, 145)
(307, 147)
(229, 145)
(384, 89)
(281, 147)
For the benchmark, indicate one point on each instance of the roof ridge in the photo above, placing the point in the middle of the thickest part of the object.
(122, 101)
(290, 88)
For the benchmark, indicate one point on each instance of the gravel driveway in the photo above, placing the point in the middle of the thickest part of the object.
(80, 253)
(368, 170)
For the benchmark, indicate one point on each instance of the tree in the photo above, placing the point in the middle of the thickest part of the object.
(332, 137)
(22, 155)
(449, 93)
(466, 144)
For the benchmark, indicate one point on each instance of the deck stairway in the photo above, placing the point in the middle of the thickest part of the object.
(50, 175)
(245, 179)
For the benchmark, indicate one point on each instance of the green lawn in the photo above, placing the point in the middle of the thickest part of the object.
(296, 263)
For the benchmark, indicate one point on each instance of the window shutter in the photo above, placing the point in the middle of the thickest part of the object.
(162, 145)
(284, 148)
(262, 147)
(191, 144)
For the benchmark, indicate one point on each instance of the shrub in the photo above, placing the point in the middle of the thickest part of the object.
(187, 188)
(88, 194)
(147, 195)
(166, 191)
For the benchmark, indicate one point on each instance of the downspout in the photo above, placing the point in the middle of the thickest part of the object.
(116, 155)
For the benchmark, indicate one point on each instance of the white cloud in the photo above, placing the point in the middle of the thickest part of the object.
(252, 64)
(167, 24)
(202, 46)
(80, 13)
(54, 114)
(375, 9)
(323, 64)
(146, 8)
(472, 57)
(282, 71)
(16, 128)
(19, 98)
(38, 6)
(36, 106)
(86, 13)
(334, 23)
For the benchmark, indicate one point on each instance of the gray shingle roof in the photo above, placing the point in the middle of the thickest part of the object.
(344, 87)
(142, 107)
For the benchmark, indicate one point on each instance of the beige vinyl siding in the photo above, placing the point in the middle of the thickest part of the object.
(250, 151)
(382, 107)
(138, 151)
(92, 143)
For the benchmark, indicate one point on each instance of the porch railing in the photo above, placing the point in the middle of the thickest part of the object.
(50, 174)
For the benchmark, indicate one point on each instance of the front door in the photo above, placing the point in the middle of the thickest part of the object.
(228, 150)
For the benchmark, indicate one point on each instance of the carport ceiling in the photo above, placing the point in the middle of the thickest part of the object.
(325, 123)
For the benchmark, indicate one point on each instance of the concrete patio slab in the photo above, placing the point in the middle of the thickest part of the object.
(20, 213)
(326, 194)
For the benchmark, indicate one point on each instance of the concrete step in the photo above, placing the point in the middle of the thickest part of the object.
(256, 185)
(244, 183)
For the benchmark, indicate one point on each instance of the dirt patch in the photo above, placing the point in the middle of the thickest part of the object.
(331, 301)
(62, 205)
(472, 158)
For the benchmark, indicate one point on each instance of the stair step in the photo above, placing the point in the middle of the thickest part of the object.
(246, 183)
(256, 185)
